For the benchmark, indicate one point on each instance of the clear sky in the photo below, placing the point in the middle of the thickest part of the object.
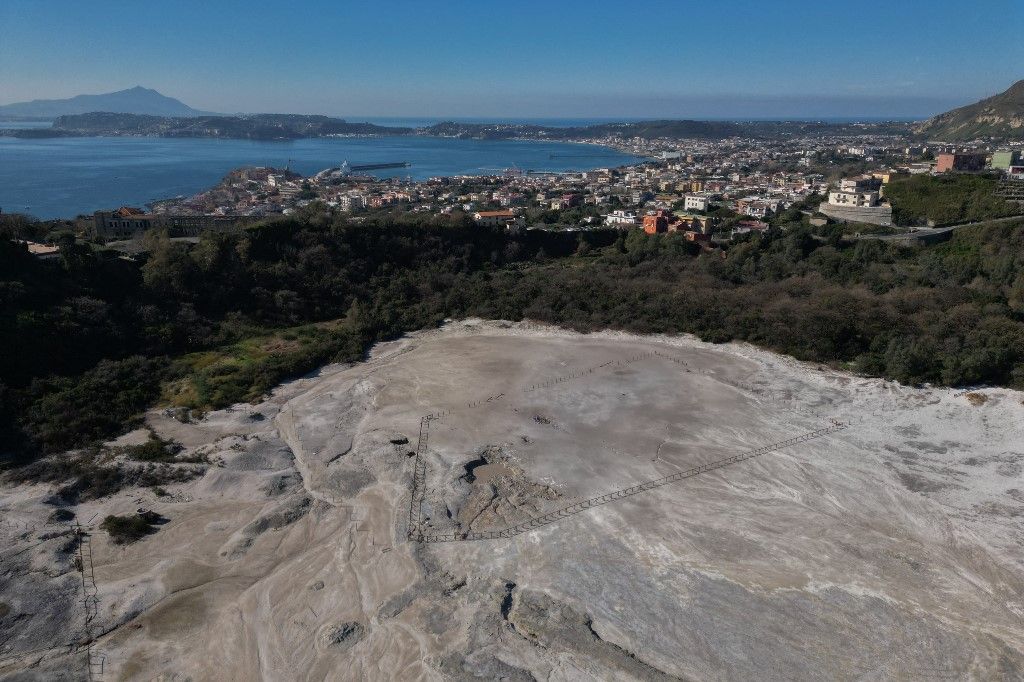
(521, 58)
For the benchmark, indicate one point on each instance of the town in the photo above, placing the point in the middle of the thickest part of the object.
(707, 190)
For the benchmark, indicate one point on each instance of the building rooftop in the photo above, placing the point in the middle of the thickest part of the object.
(37, 249)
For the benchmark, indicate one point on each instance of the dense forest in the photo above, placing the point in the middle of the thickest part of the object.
(91, 340)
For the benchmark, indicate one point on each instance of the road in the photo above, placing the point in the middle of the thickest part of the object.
(932, 233)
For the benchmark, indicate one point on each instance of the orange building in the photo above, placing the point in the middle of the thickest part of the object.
(959, 162)
(664, 221)
(657, 222)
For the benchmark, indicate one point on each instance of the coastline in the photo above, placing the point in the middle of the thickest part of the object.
(45, 176)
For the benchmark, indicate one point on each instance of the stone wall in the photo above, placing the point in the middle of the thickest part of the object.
(875, 215)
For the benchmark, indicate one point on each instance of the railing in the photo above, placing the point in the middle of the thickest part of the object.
(415, 530)
(419, 475)
(584, 505)
(90, 602)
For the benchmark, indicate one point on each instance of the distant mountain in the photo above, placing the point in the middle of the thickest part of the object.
(644, 129)
(249, 127)
(999, 116)
(668, 129)
(297, 126)
(137, 100)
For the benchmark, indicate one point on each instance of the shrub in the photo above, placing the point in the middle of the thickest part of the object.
(124, 530)
(155, 449)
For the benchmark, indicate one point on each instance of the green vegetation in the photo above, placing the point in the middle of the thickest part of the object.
(92, 473)
(946, 199)
(225, 321)
(246, 370)
(154, 449)
(125, 530)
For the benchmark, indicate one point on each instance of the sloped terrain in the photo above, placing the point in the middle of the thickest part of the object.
(1000, 116)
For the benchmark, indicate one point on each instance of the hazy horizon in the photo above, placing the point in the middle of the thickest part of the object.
(747, 109)
(648, 60)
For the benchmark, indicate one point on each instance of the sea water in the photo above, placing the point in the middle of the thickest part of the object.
(65, 177)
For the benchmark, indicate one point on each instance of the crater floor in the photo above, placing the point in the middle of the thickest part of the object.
(888, 550)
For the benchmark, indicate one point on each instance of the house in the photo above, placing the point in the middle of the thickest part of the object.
(692, 236)
(662, 221)
(687, 222)
(127, 221)
(959, 161)
(748, 226)
(858, 200)
(124, 222)
(42, 251)
(754, 207)
(657, 222)
(696, 202)
(861, 191)
(620, 218)
(496, 218)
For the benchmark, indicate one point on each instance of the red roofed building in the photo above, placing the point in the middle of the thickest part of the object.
(495, 218)
(657, 222)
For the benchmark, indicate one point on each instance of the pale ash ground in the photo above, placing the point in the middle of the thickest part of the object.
(890, 550)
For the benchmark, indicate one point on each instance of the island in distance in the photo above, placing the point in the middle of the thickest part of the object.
(141, 111)
(137, 100)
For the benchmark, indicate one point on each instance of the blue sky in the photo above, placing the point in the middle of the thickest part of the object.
(521, 58)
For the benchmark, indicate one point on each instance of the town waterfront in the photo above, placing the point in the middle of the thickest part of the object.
(64, 177)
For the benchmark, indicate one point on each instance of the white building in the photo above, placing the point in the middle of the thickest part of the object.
(623, 218)
(858, 200)
(861, 192)
(349, 202)
(495, 218)
(844, 197)
(696, 202)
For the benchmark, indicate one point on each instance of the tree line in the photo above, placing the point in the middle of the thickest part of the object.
(92, 340)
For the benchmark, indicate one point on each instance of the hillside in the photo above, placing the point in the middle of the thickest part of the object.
(1000, 116)
(644, 129)
(137, 100)
(256, 126)
(296, 126)
(947, 199)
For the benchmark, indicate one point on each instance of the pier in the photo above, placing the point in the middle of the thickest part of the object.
(375, 166)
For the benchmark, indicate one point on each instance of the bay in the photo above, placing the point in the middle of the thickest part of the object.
(65, 177)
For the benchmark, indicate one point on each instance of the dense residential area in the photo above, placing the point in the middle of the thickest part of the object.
(709, 191)
(739, 226)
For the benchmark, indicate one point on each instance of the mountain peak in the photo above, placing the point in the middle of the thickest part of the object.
(135, 100)
(1016, 88)
(998, 116)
